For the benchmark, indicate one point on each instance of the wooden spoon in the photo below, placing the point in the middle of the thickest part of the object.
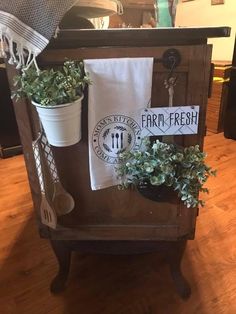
(62, 201)
(47, 213)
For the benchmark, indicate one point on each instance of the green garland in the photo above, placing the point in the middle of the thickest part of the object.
(183, 169)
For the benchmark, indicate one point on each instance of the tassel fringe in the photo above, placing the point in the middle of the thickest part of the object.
(19, 56)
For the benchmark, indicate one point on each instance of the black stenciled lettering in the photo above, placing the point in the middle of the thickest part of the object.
(171, 118)
(161, 120)
(188, 119)
(100, 126)
(176, 118)
(194, 117)
(101, 154)
(182, 118)
(149, 120)
(96, 133)
(115, 161)
(102, 123)
(109, 120)
(153, 122)
(143, 120)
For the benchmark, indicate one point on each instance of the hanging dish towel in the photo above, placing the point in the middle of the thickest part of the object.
(120, 89)
(29, 25)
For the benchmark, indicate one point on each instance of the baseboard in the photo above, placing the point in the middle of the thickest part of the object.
(6, 152)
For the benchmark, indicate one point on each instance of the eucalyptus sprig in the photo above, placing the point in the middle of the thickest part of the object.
(51, 87)
(183, 169)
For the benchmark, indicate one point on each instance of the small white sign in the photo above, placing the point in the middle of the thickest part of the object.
(169, 120)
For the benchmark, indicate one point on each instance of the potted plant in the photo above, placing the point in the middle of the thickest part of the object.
(57, 95)
(166, 165)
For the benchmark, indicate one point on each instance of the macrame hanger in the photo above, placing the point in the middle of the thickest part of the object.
(169, 84)
(149, 103)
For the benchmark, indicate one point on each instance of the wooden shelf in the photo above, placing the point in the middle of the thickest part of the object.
(136, 37)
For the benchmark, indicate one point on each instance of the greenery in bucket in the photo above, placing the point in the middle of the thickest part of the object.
(159, 163)
(52, 87)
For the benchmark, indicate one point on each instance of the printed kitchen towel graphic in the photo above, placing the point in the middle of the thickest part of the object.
(120, 88)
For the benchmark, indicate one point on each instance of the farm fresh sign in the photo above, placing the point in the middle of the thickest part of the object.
(169, 121)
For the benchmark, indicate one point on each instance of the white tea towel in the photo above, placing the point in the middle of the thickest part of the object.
(120, 88)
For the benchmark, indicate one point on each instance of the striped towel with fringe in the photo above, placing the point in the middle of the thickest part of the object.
(26, 27)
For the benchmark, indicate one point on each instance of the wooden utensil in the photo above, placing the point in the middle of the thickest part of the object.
(62, 201)
(48, 214)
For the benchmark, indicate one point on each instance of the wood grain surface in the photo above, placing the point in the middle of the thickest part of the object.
(132, 284)
(127, 219)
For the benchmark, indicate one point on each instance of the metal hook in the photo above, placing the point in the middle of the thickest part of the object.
(172, 67)
(171, 58)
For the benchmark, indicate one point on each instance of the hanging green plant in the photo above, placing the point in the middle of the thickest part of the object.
(57, 95)
(182, 169)
(52, 87)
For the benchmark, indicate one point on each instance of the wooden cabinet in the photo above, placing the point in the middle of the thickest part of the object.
(110, 220)
(218, 100)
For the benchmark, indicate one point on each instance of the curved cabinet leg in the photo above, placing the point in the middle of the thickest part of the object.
(63, 255)
(174, 257)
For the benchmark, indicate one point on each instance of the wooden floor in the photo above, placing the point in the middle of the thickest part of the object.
(120, 284)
